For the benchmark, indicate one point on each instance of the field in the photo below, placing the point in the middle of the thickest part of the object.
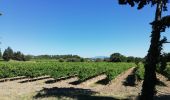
(57, 70)
(79, 74)
(51, 80)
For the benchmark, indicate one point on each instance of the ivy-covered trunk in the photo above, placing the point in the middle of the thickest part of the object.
(152, 59)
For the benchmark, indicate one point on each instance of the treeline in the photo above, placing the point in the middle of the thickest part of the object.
(9, 54)
(60, 58)
(166, 57)
(117, 57)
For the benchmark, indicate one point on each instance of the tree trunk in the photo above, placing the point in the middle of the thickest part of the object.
(152, 59)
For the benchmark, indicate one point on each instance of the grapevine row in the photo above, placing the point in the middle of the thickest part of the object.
(83, 70)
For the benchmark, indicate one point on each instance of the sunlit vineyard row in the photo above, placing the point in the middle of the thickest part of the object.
(83, 70)
(140, 71)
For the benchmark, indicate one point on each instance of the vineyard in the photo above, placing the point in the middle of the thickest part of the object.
(43, 79)
(140, 71)
(83, 70)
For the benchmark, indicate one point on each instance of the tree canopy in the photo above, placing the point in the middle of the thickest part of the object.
(142, 3)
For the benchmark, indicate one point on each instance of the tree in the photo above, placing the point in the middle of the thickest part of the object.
(130, 59)
(82, 60)
(166, 57)
(8, 54)
(0, 54)
(152, 59)
(163, 63)
(117, 57)
(61, 60)
(28, 57)
(18, 56)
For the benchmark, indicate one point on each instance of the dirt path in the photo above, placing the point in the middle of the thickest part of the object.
(117, 88)
(164, 87)
(93, 80)
(16, 90)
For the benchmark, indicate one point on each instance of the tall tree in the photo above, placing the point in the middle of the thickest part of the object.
(8, 54)
(153, 55)
(18, 56)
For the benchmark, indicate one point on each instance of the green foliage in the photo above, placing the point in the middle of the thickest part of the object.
(18, 56)
(112, 73)
(82, 60)
(27, 57)
(61, 60)
(142, 3)
(0, 54)
(166, 57)
(117, 57)
(140, 72)
(162, 64)
(167, 72)
(163, 23)
(8, 54)
(83, 70)
(73, 59)
(138, 61)
(130, 59)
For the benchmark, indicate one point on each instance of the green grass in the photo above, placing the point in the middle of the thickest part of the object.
(83, 70)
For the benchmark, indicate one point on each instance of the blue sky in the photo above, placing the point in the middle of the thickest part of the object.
(84, 27)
